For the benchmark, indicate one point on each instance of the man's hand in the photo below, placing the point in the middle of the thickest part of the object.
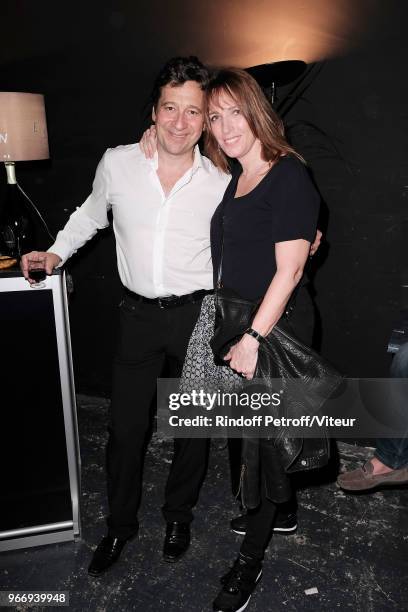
(316, 243)
(148, 142)
(48, 260)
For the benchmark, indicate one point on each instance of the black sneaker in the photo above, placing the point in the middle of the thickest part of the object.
(238, 585)
(285, 523)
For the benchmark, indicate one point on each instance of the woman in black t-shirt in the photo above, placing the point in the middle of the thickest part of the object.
(266, 223)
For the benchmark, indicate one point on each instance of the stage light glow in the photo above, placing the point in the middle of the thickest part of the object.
(259, 31)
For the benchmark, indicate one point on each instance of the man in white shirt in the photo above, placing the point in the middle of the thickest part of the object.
(161, 219)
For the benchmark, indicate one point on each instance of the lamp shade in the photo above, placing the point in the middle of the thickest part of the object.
(23, 127)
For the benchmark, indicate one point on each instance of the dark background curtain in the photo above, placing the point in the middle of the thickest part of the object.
(95, 63)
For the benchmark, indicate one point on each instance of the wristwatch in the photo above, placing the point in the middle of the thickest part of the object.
(254, 334)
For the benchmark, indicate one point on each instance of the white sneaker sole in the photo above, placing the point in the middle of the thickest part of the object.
(285, 529)
(275, 530)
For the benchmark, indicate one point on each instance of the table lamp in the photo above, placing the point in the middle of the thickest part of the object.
(23, 137)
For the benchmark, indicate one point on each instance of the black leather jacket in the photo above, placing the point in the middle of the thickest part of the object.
(263, 464)
(270, 461)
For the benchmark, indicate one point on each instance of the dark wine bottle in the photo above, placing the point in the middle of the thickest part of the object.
(17, 230)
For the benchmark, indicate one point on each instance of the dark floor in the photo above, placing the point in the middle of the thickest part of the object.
(352, 548)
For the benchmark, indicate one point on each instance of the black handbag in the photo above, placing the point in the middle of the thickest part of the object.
(233, 315)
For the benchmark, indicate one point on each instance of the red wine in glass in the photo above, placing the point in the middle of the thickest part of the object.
(37, 274)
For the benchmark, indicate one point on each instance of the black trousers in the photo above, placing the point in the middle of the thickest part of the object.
(149, 338)
(259, 528)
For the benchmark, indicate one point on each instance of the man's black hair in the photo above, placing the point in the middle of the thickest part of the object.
(177, 71)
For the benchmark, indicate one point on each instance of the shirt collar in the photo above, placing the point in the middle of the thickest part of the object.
(198, 161)
(154, 161)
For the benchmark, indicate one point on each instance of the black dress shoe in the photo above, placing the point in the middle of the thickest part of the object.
(176, 542)
(107, 552)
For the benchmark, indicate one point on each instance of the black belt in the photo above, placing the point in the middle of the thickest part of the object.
(170, 301)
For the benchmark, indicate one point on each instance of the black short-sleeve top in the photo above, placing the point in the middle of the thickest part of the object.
(283, 206)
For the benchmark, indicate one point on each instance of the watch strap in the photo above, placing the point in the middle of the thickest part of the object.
(254, 334)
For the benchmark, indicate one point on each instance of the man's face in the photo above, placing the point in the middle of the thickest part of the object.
(179, 117)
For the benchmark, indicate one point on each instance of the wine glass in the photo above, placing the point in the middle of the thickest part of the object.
(36, 273)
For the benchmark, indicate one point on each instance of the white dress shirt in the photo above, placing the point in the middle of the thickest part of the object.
(162, 242)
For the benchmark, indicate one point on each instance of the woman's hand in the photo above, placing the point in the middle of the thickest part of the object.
(148, 142)
(243, 356)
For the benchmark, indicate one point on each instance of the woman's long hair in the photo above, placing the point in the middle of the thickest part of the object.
(264, 123)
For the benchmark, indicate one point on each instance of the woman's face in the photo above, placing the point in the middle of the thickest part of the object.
(230, 128)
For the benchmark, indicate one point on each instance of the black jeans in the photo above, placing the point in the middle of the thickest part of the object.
(259, 528)
(149, 338)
